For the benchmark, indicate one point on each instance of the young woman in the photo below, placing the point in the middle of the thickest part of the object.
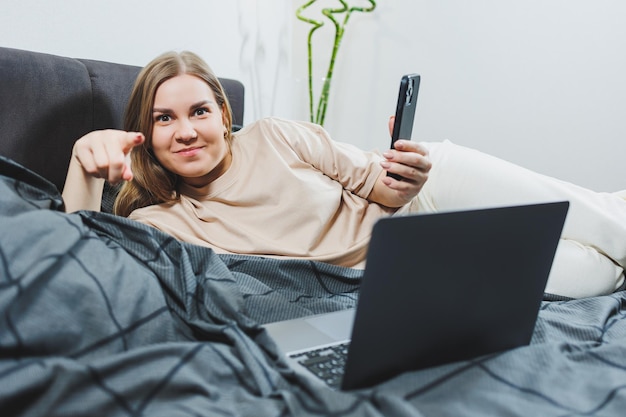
(286, 189)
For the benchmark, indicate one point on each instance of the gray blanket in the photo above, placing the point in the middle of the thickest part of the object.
(104, 316)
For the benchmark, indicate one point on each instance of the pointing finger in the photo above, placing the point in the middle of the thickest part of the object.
(130, 140)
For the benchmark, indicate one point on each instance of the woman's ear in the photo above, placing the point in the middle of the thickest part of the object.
(224, 121)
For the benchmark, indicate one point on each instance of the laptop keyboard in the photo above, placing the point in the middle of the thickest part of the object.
(326, 363)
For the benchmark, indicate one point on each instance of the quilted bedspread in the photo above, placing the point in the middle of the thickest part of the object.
(102, 316)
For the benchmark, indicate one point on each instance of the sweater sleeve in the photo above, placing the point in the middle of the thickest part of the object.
(355, 169)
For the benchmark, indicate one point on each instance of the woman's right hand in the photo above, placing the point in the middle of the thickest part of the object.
(106, 154)
(98, 156)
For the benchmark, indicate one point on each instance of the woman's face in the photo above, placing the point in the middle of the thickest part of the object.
(188, 131)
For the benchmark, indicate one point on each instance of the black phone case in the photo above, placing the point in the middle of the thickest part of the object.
(405, 110)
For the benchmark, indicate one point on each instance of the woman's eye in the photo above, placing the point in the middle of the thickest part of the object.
(162, 118)
(201, 111)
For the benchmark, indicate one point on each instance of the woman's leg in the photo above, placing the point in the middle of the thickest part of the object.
(580, 271)
(592, 251)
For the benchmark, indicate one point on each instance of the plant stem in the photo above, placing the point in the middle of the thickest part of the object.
(320, 114)
(316, 25)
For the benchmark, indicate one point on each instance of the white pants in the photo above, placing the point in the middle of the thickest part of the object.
(591, 255)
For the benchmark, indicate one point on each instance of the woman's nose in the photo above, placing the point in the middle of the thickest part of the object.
(186, 132)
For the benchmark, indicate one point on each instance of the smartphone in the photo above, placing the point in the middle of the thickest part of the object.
(405, 110)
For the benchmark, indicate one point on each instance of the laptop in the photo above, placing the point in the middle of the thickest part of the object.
(437, 288)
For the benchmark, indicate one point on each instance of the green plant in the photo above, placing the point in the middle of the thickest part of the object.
(318, 115)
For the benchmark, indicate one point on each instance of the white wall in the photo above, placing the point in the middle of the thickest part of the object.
(125, 31)
(538, 82)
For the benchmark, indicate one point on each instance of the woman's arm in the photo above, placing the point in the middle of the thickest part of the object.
(81, 190)
(96, 157)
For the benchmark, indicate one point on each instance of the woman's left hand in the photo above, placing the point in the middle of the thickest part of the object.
(409, 160)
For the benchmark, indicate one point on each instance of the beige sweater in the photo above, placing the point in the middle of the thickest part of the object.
(291, 191)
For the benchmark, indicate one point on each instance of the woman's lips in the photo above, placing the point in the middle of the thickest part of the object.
(189, 151)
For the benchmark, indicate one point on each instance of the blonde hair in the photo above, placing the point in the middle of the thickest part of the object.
(152, 183)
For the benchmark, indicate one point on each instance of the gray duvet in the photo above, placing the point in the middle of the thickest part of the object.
(102, 316)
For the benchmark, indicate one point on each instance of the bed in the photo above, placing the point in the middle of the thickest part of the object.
(101, 315)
